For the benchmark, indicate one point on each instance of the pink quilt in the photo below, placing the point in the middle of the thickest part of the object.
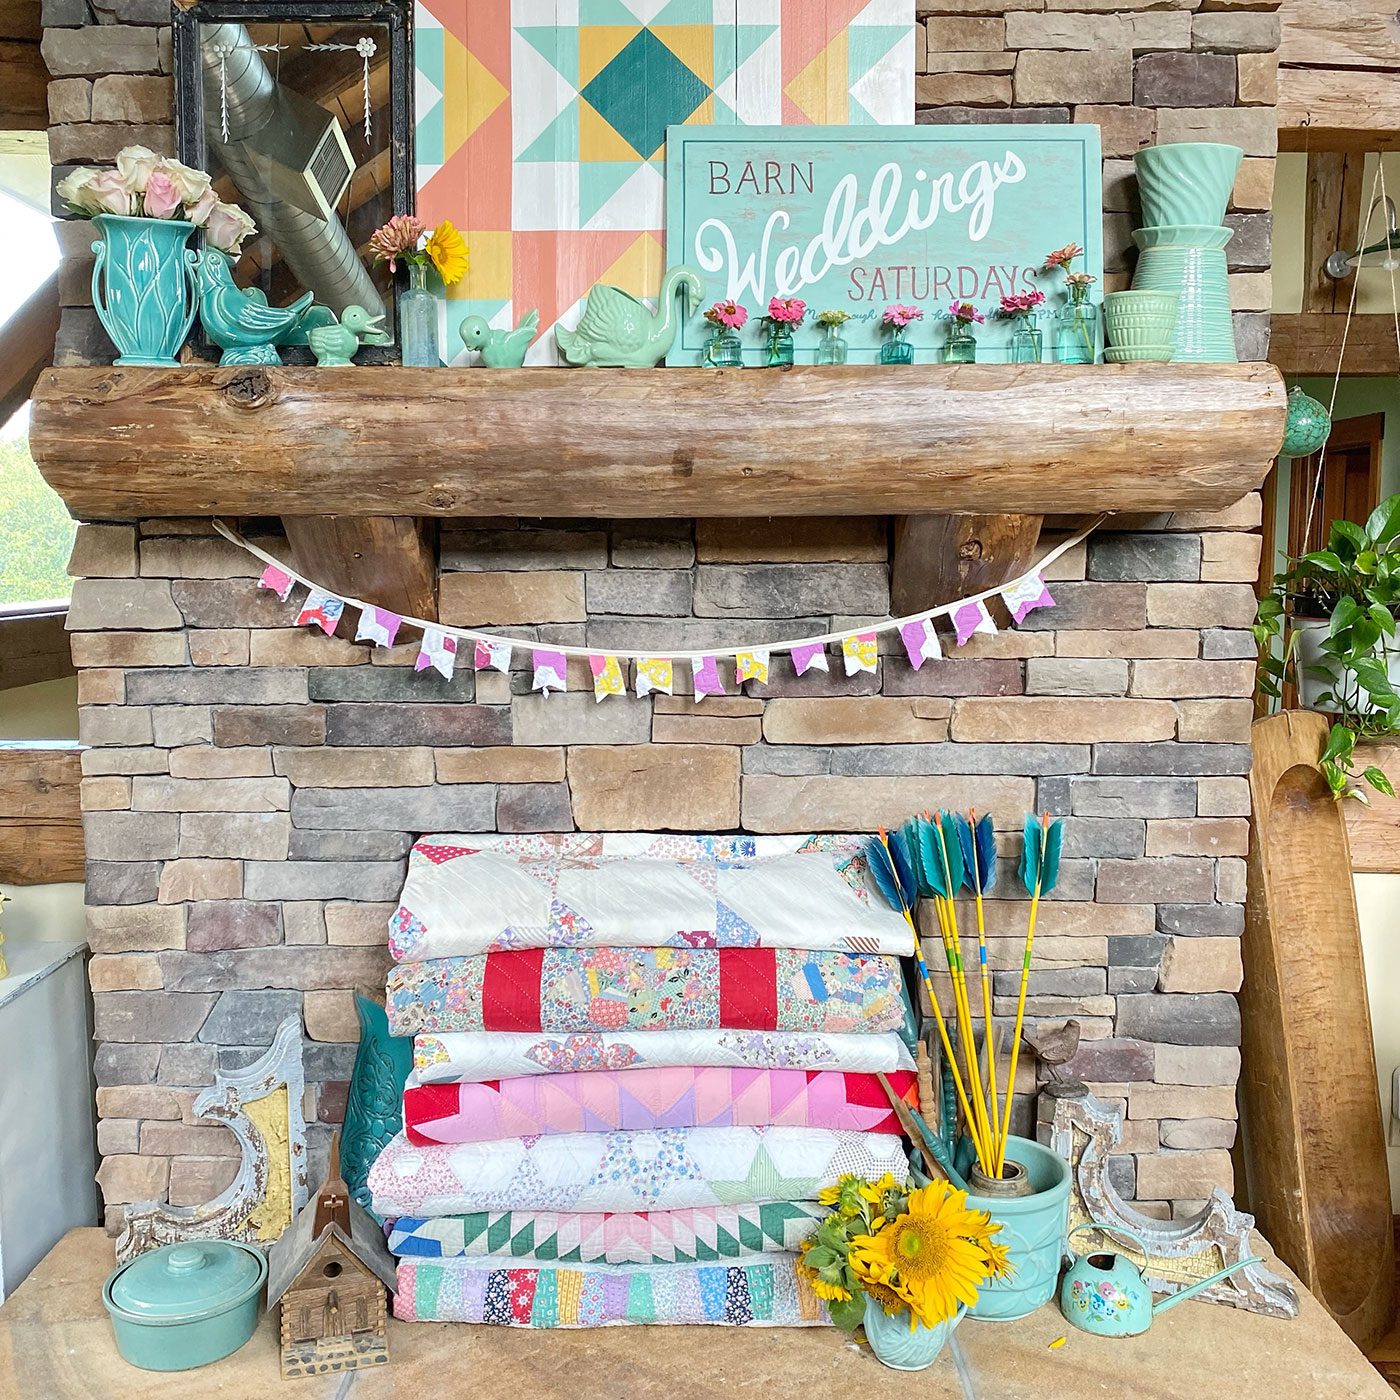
(675, 1097)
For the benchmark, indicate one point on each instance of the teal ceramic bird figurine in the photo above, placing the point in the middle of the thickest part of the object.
(335, 345)
(238, 320)
(620, 331)
(500, 349)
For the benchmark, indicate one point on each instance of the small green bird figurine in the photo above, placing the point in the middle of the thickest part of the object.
(500, 349)
(334, 346)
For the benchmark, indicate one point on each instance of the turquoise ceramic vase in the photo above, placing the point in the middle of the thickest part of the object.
(901, 1348)
(1034, 1227)
(374, 1107)
(1189, 259)
(1186, 182)
(144, 286)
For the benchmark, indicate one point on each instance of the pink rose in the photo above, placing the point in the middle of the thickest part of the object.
(162, 199)
(198, 213)
(110, 193)
(227, 226)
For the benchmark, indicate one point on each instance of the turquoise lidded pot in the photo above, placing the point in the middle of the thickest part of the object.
(185, 1305)
(144, 286)
(900, 1347)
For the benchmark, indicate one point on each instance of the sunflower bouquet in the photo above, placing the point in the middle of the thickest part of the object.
(923, 1252)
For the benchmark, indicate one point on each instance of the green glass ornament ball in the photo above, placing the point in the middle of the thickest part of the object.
(1307, 427)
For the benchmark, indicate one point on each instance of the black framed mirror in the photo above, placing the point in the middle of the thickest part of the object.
(299, 110)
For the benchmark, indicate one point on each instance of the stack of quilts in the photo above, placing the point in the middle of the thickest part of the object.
(638, 1062)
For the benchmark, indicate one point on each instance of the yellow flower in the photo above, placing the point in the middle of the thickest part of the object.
(930, 1256)
(845, 1196)
(830, 1292)
(448, 251)
(999, 1259)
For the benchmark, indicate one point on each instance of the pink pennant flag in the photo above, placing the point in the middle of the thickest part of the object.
(811, 656)
(321, 609)
(706, 675)
(439, 650)
(550, 670)
(491, 656)
(607, 677)
(973, 617)
(378, 625)
(278, 580)
(860, 652)
(920, 641)
(1025, 596)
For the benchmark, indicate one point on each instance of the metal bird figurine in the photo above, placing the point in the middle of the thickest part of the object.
(238, 320)
(1055, 1046)
(500, 349)
(336, 344)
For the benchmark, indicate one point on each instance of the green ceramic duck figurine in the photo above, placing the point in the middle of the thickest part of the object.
(620, 331)
(335, 345)
(500, 349)
(238, 320)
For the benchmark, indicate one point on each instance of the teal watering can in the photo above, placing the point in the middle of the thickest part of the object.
(1108, 1295)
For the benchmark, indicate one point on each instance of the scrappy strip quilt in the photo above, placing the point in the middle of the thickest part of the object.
(769, 1293)
(592, 989)
(458, 1057)
(704, 1235)
(477, 894)
(654, 1169)
(678, 1097)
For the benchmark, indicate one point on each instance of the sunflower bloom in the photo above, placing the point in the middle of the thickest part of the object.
(448, 251)
(846, 1197)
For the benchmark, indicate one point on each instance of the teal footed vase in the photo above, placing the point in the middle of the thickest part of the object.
(1189, 260)
(144, 286)
(374, 1106)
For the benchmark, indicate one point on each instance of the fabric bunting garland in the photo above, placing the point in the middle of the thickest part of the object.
(550, 670)
(860, 647)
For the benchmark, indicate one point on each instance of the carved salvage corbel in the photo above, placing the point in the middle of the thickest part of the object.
(1180, 1252)
(261, 1107)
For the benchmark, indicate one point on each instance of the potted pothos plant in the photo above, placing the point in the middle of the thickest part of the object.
(1329, 624)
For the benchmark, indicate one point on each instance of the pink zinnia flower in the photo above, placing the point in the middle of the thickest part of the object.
(1033, 299)
(399, 236)
(966, 312)
(727, 313)
(787, 311)
(901, 316)
(1080, 279)
(1062, 257)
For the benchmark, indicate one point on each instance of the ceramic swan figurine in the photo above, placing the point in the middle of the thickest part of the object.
(500, 349)
(620, 331)
(335, 345)
(238, 320)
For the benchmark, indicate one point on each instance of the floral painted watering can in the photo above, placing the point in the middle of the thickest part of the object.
(1108, 1295)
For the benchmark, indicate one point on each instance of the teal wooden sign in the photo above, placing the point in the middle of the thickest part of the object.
(857, 218)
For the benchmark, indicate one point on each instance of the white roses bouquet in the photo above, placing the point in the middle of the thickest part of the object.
(157, 187)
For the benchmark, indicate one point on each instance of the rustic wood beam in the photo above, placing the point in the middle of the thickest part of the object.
(41, 824)
(33, 644)
(24, 85)
(1331, 221)
(1340, 34)
(26, 346)
(1311, 343)
(391, 559)
(1023, 439)
(1338, 109)
(941, 557)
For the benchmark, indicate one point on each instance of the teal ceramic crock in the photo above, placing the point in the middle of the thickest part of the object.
(1034, 1226)
(1190, 260)
(1186, 182)
(144, 286)
(899, 1347)
(185, 1305)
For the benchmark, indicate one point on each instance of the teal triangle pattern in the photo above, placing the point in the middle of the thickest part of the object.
(558, 141)
(557, 45)
(685, 12)
(606, 12)
(598, 181)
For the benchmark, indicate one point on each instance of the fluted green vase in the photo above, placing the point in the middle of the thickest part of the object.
(144, 286)
(374, 1107)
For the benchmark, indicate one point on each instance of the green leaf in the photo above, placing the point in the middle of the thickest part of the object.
(1323, 559)
(1343, 615)
(1383, 618)
(1383, 523)
(1340, 744)
(1351, 532)
(1378, 780)
(1336, 778)
(1373, 678)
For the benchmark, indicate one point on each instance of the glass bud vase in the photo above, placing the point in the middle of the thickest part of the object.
(832, 348)
(1026, 346)
(418, 321)
(779, 345)
(723, 350)
(896, 350)
(1077, 330)
(961, 348)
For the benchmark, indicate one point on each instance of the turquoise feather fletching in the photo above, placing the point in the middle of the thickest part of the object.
(978, 840)
(880, 859)
(950, 849)
(1041, 869)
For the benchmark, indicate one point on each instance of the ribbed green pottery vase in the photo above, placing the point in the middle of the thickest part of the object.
(1190, 260)
(901, 1348)
(1139, 318)
(144, 286)
(1034, 1226)
(1186, 182)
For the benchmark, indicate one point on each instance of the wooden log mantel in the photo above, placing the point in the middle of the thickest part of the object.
(1028, 439)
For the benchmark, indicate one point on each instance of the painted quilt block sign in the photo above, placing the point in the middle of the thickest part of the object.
(855, 220)
(540, 126)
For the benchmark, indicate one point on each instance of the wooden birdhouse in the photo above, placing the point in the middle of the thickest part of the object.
(331, 1272)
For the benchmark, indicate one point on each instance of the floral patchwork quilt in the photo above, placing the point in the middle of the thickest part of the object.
(610, 989)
